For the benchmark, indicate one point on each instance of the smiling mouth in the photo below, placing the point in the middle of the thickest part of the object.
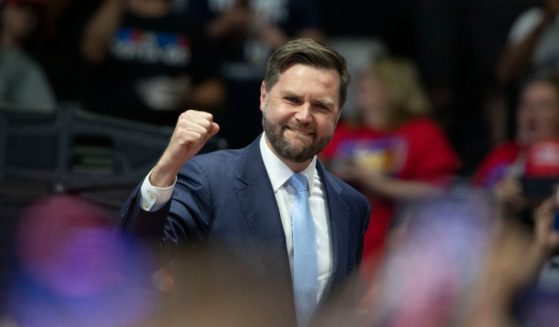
(300, 132)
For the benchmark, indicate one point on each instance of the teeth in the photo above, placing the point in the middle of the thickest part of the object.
(297, 131)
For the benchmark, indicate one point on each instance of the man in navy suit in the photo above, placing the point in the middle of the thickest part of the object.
(240, 200)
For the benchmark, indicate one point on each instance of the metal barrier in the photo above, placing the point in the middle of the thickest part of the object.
(73, 151)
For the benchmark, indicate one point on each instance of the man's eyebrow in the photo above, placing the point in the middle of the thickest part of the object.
(288, 93)
(321, 101)
(325, 102)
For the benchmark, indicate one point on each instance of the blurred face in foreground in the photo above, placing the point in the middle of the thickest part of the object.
(538, 113)
(300, 112)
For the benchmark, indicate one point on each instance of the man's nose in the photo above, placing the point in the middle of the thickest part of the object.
(304, 113)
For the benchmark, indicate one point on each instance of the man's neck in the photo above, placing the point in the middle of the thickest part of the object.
(294, 166)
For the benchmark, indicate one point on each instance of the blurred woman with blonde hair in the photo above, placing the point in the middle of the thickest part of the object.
(391, 150)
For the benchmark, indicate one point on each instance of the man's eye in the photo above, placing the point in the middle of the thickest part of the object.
(292, 99)
(322, 106)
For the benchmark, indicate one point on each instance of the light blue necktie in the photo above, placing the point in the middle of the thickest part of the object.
(305, 263)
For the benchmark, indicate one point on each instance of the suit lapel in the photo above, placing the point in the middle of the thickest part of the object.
(258, 202)
(339, 220)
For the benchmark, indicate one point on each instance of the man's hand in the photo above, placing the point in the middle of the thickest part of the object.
(234, 21)
(546, 239)
(193, 130)
(509, 191)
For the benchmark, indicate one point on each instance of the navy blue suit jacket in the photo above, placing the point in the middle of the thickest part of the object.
(226, 198)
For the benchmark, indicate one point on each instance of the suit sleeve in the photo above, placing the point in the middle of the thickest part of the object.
(185, 218)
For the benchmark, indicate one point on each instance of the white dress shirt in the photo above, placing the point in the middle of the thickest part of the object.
(153, 198)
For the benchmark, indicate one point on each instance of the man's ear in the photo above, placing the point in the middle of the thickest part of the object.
(338, 118)
(263, 95)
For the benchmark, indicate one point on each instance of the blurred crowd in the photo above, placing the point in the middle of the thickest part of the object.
(147, 60)
(451, 129)
(451, 260)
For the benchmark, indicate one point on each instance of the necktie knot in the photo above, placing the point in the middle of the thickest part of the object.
(299, 182)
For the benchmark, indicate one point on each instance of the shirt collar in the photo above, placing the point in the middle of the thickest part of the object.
(278, 171)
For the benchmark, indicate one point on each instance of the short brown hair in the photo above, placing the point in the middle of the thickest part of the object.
(307, 52)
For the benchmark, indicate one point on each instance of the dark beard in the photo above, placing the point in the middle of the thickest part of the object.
(274, 133)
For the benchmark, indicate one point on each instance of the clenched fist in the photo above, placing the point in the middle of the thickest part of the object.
(193, 130)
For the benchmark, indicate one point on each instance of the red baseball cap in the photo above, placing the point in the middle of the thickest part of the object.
(542, 159)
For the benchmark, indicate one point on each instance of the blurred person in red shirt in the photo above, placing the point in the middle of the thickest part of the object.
(507, 169)
(393, 152)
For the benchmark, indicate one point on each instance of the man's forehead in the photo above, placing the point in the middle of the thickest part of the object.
(321, 75)
(291, 91)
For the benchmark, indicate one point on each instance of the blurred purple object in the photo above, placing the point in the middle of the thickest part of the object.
(76, 271)
(430, 270)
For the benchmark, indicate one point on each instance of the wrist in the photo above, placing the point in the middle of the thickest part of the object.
(163, 175)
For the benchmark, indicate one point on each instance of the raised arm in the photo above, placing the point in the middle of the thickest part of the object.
(146, 209)
(515, 59)
(100, 29)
